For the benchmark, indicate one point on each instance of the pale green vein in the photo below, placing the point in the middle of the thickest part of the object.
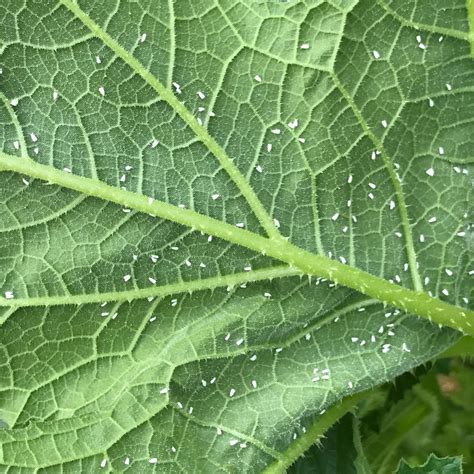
(5, 315)
(157, 291)
(315, 210)
(168, 96)
(442, 94)
(422, 26)
(402, 207)
(470, 18)
(268, 54)
(236, 434)
(339, 40)
(54, 215)
(16, 123)
(90, 152)
(172, 42)
(314, 433)
(412, 301)
(52, 47)
(132, 200)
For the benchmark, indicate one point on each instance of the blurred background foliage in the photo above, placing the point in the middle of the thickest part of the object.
(421, 416)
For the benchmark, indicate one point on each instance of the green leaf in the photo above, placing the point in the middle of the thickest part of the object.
(463, 348)
(449, 383)
(220, 219)
(433, 465)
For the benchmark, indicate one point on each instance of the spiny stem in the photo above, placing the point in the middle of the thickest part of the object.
(415, 302)
(211, 283)
(314, 433)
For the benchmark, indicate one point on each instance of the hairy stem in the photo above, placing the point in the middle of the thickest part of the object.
(416, 302)
(314, 433)
(156, 291)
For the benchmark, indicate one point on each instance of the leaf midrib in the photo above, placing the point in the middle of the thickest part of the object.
(306, 262)
(276, 246)
(293, 455)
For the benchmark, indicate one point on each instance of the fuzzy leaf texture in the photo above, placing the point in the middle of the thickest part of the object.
(172, 172)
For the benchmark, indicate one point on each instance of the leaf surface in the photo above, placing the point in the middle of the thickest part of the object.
(172, 171)
(433, 465)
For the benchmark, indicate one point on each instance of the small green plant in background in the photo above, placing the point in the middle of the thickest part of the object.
(399, 426)
(235, 236)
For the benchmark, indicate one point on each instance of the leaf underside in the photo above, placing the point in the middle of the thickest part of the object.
(344, 126)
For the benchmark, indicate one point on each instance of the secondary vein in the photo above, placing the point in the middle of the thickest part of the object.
(16, 123)
(168, 96)
(422, 26)
(157, 291)
(402, 208)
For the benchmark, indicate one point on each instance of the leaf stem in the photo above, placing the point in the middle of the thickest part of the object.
(416, 302)
(314, 433)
